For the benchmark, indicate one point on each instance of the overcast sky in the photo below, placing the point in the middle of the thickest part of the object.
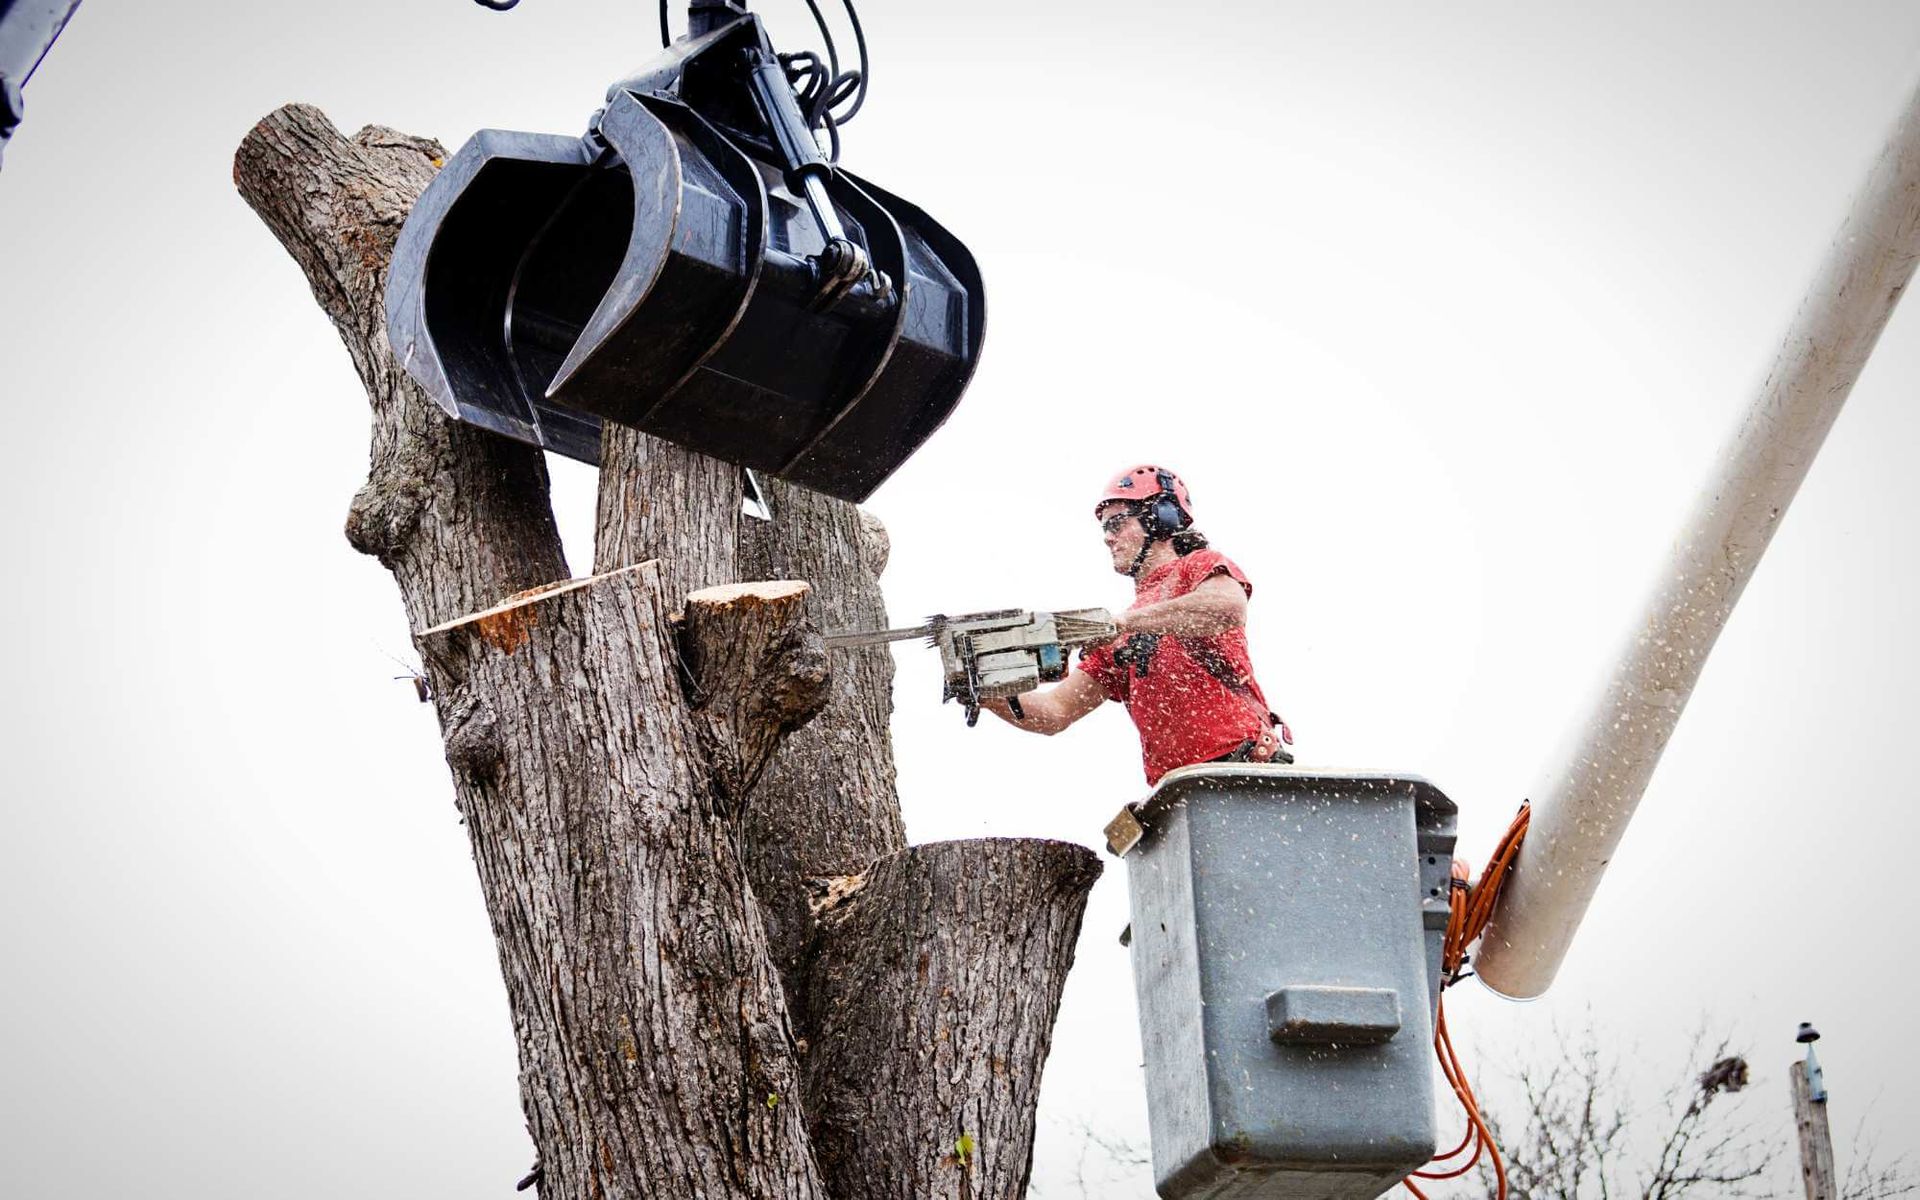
(1442, 310)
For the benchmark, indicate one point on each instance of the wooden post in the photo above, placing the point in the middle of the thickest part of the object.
(1816, 1140)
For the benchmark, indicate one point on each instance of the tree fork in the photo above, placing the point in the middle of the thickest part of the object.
(602, 795)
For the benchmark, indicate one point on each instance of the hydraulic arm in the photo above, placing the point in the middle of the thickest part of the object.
(27, 31)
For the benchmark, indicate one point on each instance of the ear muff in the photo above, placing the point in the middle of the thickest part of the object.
(1163, 517)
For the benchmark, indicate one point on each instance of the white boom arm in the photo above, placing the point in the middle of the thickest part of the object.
(1583, 807)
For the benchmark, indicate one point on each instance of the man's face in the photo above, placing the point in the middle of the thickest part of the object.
(1123, 534)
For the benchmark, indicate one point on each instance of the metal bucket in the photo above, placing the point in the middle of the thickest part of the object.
(1286, 936)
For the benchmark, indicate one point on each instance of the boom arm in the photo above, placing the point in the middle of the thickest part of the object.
(1581, 812)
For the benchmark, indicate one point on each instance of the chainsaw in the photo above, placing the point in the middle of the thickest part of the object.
(996, 655)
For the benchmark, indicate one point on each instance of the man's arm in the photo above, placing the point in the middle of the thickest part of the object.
(1054, 709)
(1217, 605)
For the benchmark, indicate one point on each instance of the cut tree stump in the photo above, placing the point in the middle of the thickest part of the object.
(758, 671)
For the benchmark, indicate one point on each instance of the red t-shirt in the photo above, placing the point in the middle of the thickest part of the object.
(1192, 698)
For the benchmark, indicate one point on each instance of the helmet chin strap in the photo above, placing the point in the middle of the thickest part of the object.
(1140, 555)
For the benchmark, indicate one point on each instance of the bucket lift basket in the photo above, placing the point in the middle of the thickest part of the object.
(1287, 930)
(692, 267)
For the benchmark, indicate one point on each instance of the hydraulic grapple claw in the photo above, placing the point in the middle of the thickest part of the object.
(676, 271)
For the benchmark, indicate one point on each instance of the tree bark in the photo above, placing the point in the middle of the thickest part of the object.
(664, 502)
(827, 804)
(655, 1054)
(757, 672)
(459, 516)
(922, 1076)
(646, 841)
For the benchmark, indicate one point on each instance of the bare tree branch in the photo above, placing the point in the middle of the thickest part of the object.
(757, 671)
(1870, 1178)
(460, 516)
(1576, 1135)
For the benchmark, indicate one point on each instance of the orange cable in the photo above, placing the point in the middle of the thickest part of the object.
(1466, 1139)
(1473, 1108)
(1477, 1132)
(1470, 909)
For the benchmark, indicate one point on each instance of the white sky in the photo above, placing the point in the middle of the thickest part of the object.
(1441, 309)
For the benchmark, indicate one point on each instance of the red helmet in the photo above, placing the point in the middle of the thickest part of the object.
(1144, 484)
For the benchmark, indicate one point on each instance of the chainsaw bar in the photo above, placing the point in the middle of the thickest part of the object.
(879, 637)
(934, 624)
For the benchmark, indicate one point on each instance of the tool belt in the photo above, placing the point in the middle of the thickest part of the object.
(1244, 752)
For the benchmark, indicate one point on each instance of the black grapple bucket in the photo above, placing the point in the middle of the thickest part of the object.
(660, 273)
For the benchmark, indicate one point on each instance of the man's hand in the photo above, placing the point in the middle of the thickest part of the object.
(1217, 605)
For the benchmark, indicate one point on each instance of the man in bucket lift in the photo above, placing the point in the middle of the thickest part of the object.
(1180, 664)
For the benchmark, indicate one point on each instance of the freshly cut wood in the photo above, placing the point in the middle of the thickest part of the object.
(758, 671)
(934, 983)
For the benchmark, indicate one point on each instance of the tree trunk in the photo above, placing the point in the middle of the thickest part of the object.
(646, 840)
(662, 502)
(654, 1048)
(922, 1073)
(827, 805)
